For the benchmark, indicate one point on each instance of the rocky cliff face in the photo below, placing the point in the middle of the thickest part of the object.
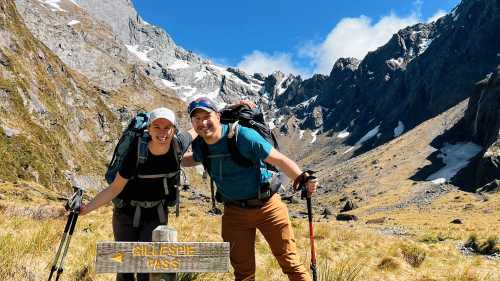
(482, 123)
(422, 71)
(103, 39)
(52, 119)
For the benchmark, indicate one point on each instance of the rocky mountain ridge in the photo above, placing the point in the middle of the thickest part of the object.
(420, 73)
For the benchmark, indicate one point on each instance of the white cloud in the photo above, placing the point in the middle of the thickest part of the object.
(355, 37)
(351, 37)
(437, 15)
(265, 63)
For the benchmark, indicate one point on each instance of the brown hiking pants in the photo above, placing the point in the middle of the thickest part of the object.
(239, 228)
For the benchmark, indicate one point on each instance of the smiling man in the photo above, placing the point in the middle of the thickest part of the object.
(238, 186)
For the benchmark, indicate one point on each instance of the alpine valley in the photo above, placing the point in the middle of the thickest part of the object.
(406, 141)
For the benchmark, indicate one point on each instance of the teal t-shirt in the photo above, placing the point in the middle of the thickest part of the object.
(233, 181)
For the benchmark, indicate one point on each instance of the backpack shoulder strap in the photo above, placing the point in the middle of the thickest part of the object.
(232, 139)
(176, 146)
(198, 141)
(142, 150)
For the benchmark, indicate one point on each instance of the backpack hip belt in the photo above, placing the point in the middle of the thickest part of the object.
(148, 204)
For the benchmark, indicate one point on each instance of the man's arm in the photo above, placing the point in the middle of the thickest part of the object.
(289, 167)
(283, 163)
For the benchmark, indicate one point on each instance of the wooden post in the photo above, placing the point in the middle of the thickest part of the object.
(164, 233)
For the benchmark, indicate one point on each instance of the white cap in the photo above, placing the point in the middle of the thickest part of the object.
(162, 112)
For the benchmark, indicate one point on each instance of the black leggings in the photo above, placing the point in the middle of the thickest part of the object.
(124, 231)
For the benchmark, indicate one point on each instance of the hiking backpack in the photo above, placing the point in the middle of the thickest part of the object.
(244, 116)
(136, 130)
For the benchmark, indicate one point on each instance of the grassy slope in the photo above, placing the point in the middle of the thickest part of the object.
(31, 225)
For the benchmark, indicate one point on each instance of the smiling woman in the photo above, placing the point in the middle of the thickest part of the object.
(145, 184)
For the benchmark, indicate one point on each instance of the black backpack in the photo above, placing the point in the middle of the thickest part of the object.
(250, 118)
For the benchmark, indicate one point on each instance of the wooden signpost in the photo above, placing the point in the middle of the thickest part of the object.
(161, 256)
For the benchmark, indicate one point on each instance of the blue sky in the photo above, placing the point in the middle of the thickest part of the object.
(301, 37)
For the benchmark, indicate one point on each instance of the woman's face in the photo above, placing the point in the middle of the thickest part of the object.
(161, 131)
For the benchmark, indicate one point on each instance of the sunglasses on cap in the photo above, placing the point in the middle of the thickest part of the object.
(201, 103)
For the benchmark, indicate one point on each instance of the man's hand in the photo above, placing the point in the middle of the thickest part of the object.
(248, 103)
(307, 180)
(312, 185)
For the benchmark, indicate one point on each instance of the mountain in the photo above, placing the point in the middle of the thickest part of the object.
(103, 39)
(421, 72)
(55, 124)
(399, 139)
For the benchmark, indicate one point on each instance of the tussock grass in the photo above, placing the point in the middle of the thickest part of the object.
(413, 254)
(469, 274)
(343, 270)
(489, 246)
(344, 250)
(389, 264)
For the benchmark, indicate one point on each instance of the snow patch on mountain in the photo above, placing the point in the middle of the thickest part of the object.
(395, 63)
(373, 132)
(53, 5)
(178, 64)
(73, 22)
(142, 55)
(314, 135)
(200, 75)
(455, 157)
(344, 134)
(307, 102)
(399, 129)
(424, 44)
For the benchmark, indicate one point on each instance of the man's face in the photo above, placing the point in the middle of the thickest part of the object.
(161, 131)
(206, 124)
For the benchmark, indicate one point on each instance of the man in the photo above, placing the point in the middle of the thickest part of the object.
(238, 187)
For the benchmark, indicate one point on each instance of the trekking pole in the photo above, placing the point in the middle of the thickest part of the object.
(74, 204)
(305, 194)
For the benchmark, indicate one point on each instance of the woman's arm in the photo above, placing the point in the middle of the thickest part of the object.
(188, 160)
(106, 195)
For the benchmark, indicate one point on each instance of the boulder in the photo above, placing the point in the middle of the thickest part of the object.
(346, 217)
(349, 205)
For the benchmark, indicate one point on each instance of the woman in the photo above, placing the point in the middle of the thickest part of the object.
(141, 192)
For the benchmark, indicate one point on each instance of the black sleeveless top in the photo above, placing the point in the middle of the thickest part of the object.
(144, 189)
